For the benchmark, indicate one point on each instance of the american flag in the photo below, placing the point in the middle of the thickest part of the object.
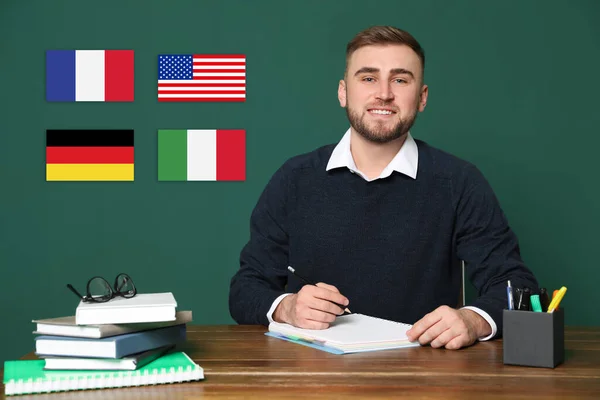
(202, 77)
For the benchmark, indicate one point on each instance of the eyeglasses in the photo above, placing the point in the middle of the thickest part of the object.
(100, 291)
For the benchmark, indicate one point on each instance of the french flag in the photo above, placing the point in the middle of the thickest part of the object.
(89, 75)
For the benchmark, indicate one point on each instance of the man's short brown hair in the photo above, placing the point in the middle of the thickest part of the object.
(381, 35)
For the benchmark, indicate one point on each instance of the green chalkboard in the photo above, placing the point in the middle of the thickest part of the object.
(513, 89)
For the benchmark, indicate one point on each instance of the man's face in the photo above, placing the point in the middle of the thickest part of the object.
(382, 91)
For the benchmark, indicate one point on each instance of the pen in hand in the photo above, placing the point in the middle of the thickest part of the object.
(293, 271)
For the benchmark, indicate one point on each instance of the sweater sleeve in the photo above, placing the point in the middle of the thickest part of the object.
(262, 275)
(487, 245)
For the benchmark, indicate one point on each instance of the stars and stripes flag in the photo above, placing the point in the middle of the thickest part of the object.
(202, 77)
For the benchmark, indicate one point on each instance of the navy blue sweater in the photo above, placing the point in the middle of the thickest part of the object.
(392, 246)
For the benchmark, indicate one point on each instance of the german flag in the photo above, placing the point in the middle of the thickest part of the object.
(89, 155)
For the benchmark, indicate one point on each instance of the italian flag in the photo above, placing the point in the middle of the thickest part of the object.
(202, 155)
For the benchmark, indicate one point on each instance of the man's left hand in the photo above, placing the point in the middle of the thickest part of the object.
(450, 328)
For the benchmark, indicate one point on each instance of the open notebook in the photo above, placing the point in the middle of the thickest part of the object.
(348, 334)
(29, 376)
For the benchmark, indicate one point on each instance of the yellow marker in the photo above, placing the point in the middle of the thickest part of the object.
(556, 300)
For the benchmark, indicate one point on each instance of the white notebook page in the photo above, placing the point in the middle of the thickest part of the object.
(350, 329)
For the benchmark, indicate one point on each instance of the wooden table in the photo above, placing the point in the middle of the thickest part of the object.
(241, 362)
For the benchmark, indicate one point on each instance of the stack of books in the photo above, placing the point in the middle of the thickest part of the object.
(122, 342)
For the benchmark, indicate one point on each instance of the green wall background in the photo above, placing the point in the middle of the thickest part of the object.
(513, 89)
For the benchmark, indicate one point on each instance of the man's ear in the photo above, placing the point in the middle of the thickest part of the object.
(423, 97)
(342, 93)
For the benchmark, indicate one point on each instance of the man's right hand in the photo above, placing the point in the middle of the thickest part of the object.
(312, 307)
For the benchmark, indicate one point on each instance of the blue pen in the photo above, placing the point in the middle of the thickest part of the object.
(509, 293)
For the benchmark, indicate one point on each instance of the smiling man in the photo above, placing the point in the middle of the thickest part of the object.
(381, 220)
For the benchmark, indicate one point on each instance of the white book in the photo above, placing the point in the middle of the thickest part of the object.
(66, 326)
(348, 334)
(144, 307)
(131, 362)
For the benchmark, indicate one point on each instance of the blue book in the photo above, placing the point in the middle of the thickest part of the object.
(110, 347)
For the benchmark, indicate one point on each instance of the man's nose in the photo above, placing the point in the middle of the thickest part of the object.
(385, 91)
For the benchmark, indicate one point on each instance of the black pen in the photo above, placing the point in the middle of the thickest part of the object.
(293, 271)
(544, 299)
(526, 300)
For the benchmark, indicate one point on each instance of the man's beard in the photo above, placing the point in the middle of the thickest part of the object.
(379, 134)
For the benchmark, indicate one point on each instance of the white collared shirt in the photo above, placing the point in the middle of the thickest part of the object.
(405, 162)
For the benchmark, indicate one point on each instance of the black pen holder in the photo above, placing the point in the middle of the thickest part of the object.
(534, 339)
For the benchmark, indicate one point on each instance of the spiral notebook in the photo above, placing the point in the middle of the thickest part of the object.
(348, 334)
(29, 376)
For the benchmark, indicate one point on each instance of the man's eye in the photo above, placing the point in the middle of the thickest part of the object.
(399, 80)
(368, 79)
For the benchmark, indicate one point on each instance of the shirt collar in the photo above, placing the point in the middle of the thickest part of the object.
(405, 161)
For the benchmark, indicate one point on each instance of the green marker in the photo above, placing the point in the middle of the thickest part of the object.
(535, 303)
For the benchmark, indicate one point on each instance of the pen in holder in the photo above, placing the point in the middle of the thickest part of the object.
(534, 339)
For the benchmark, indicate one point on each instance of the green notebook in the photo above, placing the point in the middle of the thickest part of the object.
(29, 376)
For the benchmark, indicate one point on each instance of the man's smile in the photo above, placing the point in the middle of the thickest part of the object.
(381, 112)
